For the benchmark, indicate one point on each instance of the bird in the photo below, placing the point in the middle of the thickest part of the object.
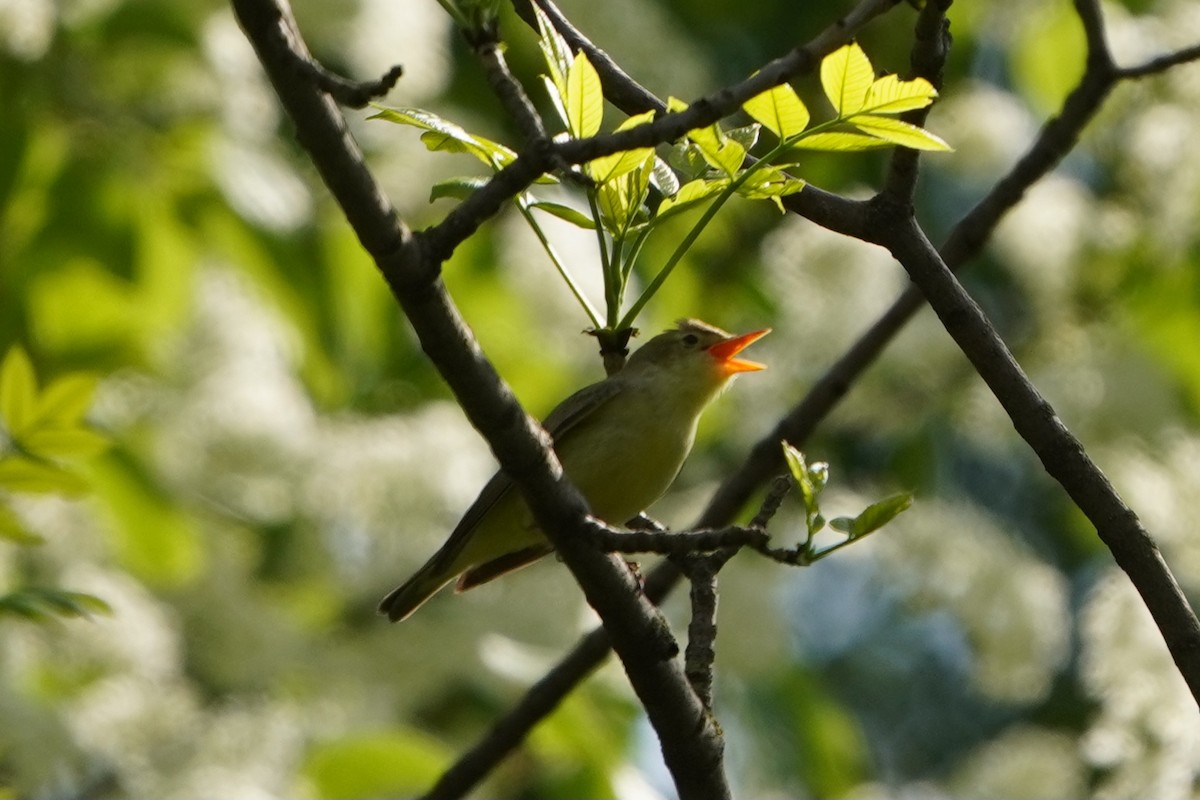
(621, 441)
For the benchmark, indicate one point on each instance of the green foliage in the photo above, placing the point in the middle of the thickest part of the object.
(811, 479)
(41, 433)
(42, 605)
(713, 162)
(397, 764)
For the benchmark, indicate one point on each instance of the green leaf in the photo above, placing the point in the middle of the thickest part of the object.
(446, 136)
(1048, 57)
(800, 474)
(838, 141)
(690, 194)
(780, 111)
(846, 75)
(12, 529)
(566, 213)
(745, 135)
(456, 188)
(18, 391)
(621, 200)
(66, 399)
(607, 168)
(64, 442)
(874, 516)
(151, 535)
(843, 524)
(38, 604)
(398, 764)
(490, 153)
(584, 98)
(557, 55)
(719, 151)
(19, 474)
(901, 133)
(686, 157)
(769, 182)
(890, 95)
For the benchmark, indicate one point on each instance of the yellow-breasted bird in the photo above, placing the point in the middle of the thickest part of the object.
(622, 441)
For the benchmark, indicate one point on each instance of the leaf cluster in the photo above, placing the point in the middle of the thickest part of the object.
(810, 479)
(630, 193)
(41, 432)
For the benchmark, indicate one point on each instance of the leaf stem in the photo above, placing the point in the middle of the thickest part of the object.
(527, 213)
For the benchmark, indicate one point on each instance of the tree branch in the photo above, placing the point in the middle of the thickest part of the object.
(1055, 140)
(692, 745)
(483, 204)
(1060, 452)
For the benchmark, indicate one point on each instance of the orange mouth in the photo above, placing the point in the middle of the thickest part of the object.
(725, 352)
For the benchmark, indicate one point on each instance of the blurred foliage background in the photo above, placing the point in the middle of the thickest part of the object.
(282, 455)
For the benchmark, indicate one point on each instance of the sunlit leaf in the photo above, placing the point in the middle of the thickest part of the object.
(557, 55)
(456, 188)
(566, 213)
(719, 151)
(1048, 57)
(66, 399)
(800, 474)
(18, 390)
(691, 193)
(674, 104)
(64, 442)
(874, 516)
(846, 75)
(584, 98)
(890, 95)
(490, 153)
(447, 136)
(18, 474)
(686, 157)
(767, 182)
(606, 168)
(839, 141)
(399, 764)
(621, 200)
(780, 110)
(901, 133)
(745, 135)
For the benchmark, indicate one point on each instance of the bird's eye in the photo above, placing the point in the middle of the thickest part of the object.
(691, 340)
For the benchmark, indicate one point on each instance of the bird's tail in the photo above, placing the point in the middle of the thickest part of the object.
(412, 594)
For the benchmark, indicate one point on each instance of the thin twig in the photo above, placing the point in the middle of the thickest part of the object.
(353, 94)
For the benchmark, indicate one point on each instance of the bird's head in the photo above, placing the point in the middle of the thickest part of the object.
(695, 354)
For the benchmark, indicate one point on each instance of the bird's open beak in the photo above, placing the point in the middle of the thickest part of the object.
(725, 352)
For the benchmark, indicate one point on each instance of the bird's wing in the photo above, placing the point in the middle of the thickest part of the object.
(559, 422)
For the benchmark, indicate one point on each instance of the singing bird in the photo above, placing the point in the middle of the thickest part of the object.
(621, 441)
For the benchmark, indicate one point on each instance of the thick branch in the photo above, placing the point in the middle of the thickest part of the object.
(692, 746)
(1060, 452)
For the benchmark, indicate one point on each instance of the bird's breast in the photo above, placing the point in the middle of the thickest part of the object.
(626, 459)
